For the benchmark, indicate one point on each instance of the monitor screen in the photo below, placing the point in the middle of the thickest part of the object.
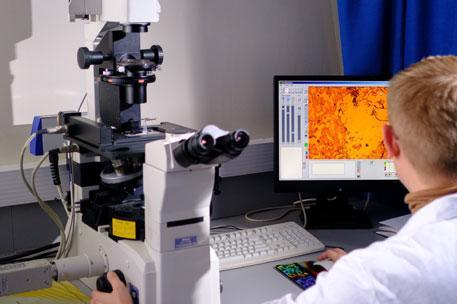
(328, 132)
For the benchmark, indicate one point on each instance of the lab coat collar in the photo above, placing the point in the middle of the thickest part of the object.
(441, 209)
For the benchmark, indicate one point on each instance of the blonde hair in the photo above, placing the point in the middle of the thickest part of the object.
(422, 107)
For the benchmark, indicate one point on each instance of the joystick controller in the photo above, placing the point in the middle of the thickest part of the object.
(104, 285)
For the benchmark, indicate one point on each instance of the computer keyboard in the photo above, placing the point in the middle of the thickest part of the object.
(263, 244)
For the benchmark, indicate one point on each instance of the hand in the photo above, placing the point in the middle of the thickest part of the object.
(332, 254)
(120, 294)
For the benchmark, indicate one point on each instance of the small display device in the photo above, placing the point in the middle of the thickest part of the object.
(302, 274)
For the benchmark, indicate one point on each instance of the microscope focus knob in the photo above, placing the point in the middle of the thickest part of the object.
(86, 58)
(155, 54)
(104, 285)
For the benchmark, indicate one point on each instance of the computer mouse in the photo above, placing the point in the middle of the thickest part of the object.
(326, 264)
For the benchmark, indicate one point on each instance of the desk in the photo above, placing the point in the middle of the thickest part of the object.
(260, 283)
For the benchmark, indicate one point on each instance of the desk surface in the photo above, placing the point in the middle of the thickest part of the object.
(260, 283)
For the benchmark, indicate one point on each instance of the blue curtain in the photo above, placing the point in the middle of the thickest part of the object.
(381, 37)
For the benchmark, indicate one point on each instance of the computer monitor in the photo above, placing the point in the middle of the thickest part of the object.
(328, 135)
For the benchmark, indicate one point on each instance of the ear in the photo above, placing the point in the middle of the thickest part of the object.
(390, 141)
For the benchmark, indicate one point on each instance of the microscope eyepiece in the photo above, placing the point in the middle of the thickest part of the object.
(206, 141)
(211, 145)
(232, 144)
(240, 138)
(194, 150)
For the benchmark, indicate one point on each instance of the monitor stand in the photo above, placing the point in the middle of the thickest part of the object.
(336, 214)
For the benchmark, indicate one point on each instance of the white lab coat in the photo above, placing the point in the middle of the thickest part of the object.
(418, 265)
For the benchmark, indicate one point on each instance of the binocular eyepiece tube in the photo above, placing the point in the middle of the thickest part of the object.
(211, 145)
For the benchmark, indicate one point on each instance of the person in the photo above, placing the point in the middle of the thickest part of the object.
(418, 264)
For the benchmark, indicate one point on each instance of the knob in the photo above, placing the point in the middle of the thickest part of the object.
(155, 54)
(86, 58)
(104, 285)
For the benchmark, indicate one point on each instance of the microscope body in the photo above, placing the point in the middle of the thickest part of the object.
(175, 263)
(141, 194)
(139, 209)
(148, 213)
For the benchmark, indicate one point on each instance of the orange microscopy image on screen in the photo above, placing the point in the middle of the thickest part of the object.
(346, 122)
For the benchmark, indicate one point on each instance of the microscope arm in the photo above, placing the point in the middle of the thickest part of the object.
(37, 274)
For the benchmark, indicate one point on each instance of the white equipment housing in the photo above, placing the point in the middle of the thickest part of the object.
(175, 264)
(130, 11)
(122, 11)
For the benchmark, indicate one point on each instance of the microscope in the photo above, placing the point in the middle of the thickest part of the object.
(140, 193)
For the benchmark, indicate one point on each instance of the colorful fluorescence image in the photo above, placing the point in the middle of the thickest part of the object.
(297, 274)
(346, 122)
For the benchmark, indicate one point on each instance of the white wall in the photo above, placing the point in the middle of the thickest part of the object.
(15, 25)
(46, 76)
(220, 58)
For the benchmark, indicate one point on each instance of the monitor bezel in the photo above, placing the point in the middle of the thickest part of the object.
(322, 186)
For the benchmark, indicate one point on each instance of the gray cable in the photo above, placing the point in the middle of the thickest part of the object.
(367, 201)
(72, 215)
(305, 219)
(48, 210)
(62, 197)
(287, 209)
(21, 161)
(33, 190)
(69, 227)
